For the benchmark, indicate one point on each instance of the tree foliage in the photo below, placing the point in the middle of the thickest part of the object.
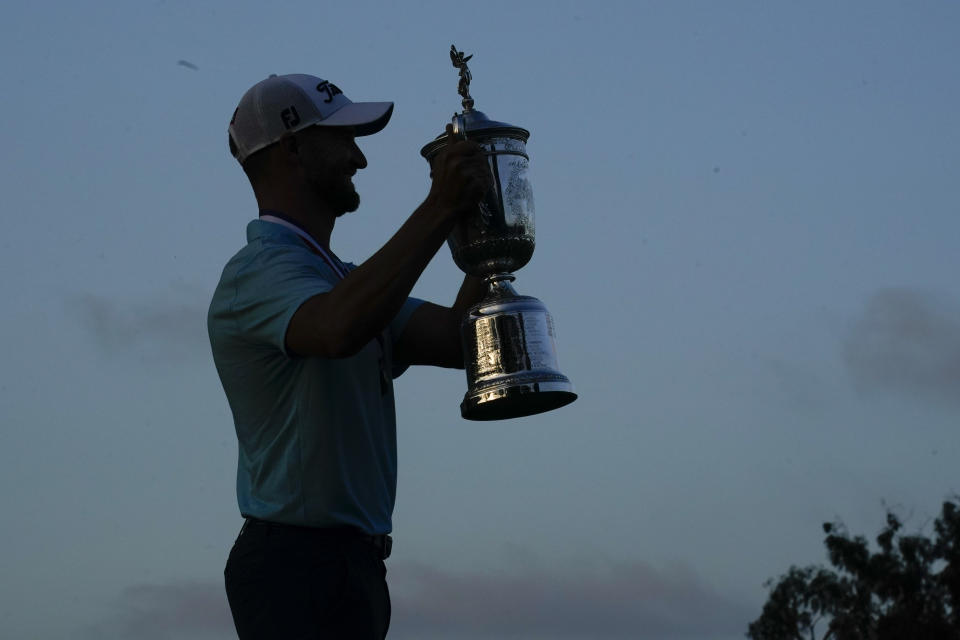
(908, 589)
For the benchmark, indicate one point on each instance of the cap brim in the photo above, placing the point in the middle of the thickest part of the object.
(365, 117)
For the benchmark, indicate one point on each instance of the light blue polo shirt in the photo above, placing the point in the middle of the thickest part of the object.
(317, 437)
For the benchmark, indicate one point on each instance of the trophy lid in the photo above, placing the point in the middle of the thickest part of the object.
(471, 124)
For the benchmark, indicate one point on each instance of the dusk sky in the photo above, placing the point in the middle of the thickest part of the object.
(748, 221)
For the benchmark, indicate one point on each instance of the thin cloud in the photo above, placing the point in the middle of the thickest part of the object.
(631, 601)
(171, 325)
(167, 612)
(907, 340)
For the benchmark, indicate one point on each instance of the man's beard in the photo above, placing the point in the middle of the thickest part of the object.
(340, 195)
(347, 202)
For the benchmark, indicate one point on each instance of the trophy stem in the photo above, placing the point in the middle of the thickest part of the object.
(499, 287)
(493, 278)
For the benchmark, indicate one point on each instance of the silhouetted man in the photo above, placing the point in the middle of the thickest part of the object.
(307, 347)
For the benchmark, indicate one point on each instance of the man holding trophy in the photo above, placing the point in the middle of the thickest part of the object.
(307, 346)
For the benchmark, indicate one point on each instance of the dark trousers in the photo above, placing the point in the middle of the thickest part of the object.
(298, 583)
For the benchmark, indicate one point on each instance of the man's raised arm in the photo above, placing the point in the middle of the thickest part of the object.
(340, 322)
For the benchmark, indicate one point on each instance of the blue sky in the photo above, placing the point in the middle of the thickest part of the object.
(747, 226)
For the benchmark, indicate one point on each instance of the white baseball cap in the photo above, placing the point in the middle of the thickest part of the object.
(279, 104)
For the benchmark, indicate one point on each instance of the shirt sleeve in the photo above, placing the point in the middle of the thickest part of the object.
(270, 289)
(396, 328)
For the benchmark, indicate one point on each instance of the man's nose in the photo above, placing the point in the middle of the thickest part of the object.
(359, 160)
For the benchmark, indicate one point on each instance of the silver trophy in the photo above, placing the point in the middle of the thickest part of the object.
(509, 345)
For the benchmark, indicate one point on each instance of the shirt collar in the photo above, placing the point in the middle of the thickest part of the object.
(261, 229)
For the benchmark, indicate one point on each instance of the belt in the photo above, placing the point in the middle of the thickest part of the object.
(383, 543)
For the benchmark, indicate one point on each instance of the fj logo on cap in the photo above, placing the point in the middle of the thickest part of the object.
(330, 89)
(290, 117)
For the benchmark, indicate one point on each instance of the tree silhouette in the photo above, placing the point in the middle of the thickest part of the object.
(909, 589)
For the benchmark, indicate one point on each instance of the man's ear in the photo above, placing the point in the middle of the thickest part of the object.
(289, 143)
(288, 152)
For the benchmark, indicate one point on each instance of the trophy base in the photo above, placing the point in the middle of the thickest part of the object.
(510, 357)
(523, 396)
